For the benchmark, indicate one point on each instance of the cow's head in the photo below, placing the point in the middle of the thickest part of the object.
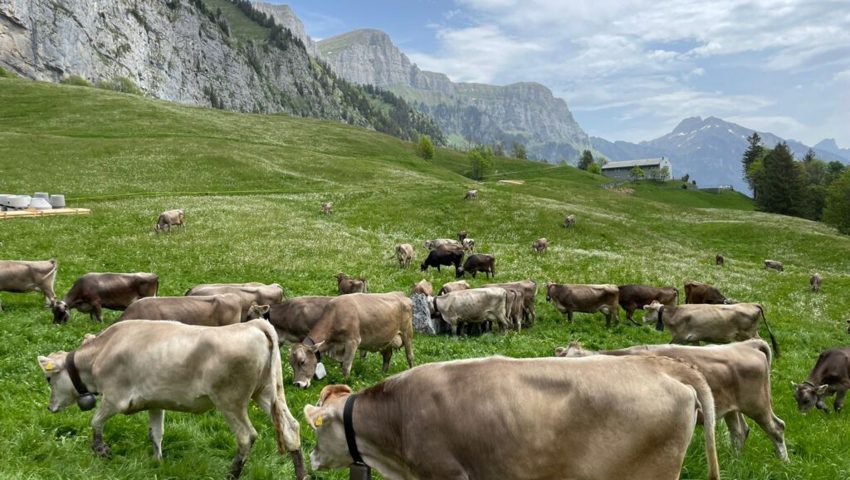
(808, 396)
(258, 311)
(652, 311)
(61, 312)
(303, 360)
(458, 272)
(62, 391)
(574, 349)
(325, 418)
(549, 286)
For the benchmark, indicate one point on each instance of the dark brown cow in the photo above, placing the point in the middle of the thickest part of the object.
(719, 260)
(443, 256)
(293, 318)
(696, 292)
(586, 299)
(478, 263)
(95, 291)
(634, 297)
(347, 284)
(831, 375)
(206, 311)
(775, 265)
(20, 276)
(461, 235)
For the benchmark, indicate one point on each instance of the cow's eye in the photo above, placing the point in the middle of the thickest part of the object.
(47, 379)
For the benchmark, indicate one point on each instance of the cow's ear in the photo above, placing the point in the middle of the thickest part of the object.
(315, 347)
(560, 352)
(50, 365)
(332, 390)
(88, 338)
(821, 390)
(262, 309)
(314, 416)
(794, 385)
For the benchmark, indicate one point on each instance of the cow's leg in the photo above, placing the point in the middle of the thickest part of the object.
(738, 430)
(348, 357)
(775, 429)
(408, 350)
(839, 400)
(388, 355)
(155, 431)
(570, 316)
(96, 313)
(363, 354)
(241, 427)
(103, 413)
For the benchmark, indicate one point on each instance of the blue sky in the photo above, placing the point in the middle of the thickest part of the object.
(632, 69)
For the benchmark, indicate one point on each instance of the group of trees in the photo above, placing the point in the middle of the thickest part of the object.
(588, 163)
(811, 188)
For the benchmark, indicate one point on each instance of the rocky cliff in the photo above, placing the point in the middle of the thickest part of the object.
(286, 18)
(468, 113)
(180, 50)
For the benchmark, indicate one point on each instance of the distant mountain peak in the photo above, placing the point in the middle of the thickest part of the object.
(688, 125)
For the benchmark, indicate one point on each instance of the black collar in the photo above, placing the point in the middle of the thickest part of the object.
(348, 424)
(75, 375)
(309, 342)
(659, 325)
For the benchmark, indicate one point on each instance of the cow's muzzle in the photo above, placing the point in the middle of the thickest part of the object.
(302, 383)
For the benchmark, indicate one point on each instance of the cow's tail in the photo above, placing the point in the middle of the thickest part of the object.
(706, 401)
(763, 348)
(772, 338)
(677, 294)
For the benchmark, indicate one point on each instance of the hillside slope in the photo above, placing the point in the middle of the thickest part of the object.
(251, 187)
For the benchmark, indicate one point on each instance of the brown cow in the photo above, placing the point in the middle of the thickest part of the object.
(206, 311)
(347, 284)
(404, 254)
(709, 323)
(569, 221)
(774, 264)
(586, 299)
(478, 263)
(831, 374)
(293, 318)
(471, 195)
(462, 235)
(21, 276)
(739, 377)
(599, 418)
(696, 292)
(371, 322)
(540, 245)
(815, 282)
(249, 293)
(168, 219)
(453, 287)
(327, 208)
(442, 256)
(529, 292)
(633, 297)
(424, 287)
(719, 260)
(95, 291)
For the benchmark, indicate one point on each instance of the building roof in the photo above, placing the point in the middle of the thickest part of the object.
(644, 162)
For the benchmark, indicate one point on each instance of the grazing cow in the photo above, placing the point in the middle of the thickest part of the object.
(249, 293)
(169, 219)
(540, 245)
(347, 284)
(20, 276)
(95, 291)
(292, 319)
(442, 256)
(569, 221)
(515, 308)
(471, 195)
(468, 244)
(156, 366)
(598, 418)
(696, 292)
(478, 263)
(442, 243)
(815, 282)
(454, 287)
(529, 292)
(327, 208)
(476, 305)
(719, 260)
(774, 264)
(709, 323)
(739, 377)
(380, 322)
(633, 297)
(586, 299)
(404, 254)
(831, 375)
(206, 311)
(461, 235)
(424, 287)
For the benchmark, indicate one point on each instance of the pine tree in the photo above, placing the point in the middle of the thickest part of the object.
(837, 209)
(586, 160)
(780, 186)
(753, 153)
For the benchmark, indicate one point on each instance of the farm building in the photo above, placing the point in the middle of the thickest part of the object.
(651, 168)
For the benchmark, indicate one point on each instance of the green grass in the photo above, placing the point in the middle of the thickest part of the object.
(251, 187)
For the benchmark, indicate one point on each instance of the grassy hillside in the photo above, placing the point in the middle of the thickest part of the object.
(251, 187)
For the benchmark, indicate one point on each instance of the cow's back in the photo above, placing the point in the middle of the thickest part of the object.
(376, 319)
(294, 318)
(211, 311)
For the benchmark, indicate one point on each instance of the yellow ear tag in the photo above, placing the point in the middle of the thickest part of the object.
(49, 366)
(318, 421)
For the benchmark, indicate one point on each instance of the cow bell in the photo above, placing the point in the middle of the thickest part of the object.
(87, 402)
(359, 471)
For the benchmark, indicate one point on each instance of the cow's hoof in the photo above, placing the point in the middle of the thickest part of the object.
(102, 450)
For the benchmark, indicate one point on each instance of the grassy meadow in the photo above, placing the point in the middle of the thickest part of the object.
(251, 187)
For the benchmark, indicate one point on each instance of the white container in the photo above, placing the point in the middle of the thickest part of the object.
(20, 201)
(58, 201)
(39, 203)
(4, 197)
(43, 195)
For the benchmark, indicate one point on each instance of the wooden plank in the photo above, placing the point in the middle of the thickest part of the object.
(8, 215)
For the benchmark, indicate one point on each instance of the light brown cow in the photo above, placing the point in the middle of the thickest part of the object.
(709, 323)
(453, 287)
(468, 244)
(774, 264)
(207, 311)
(442, 242)
(569, 221)
(347, 284)
(404, 254)
(169, 219)
(739, 377)
(586, 299)
(183, 368)
(292, 319)
(380, 322)
(327, 208)
(815, 282)
(21, 276)
(93, 292)
(540, 245)
(424, 287)
(476, 305)
(599, 418)
(471, 195)
(252, 293)
(529, 292)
